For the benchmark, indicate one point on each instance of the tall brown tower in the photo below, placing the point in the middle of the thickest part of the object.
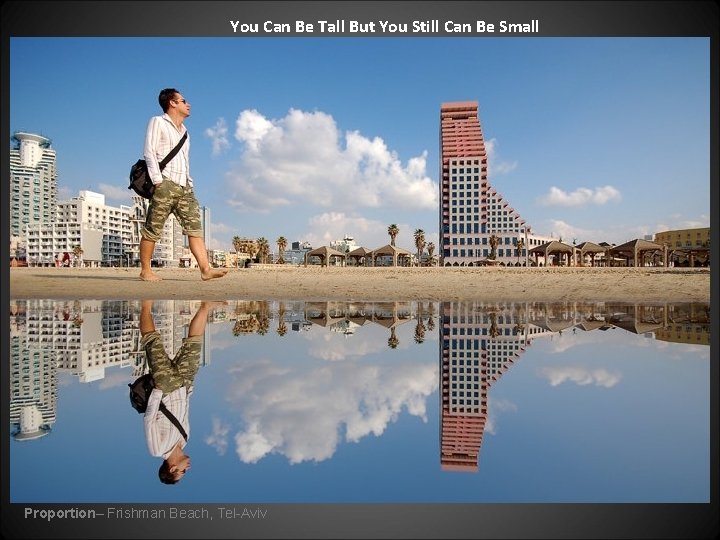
(463, 181)
(472, 211)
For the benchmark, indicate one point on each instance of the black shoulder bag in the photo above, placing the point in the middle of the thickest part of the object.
(140, 393)
(140, 181)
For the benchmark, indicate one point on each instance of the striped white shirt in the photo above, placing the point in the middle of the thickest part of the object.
(162, 135)
(160, 433)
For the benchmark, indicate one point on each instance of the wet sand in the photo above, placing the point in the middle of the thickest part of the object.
(285, 282)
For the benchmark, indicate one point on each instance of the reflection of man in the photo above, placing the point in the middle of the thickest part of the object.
(173, 386)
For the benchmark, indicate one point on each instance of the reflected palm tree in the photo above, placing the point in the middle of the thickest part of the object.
(393, 341)
(282, 327)
(493, 331)
(420, 326)
(431, 316)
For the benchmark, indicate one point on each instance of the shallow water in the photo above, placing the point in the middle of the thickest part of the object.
(370, 402)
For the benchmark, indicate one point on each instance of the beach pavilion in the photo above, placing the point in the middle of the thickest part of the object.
(389, 250)
(553, 247)
(327, 314)
(637, 249)
(589, 248)
(360, 253)
(324, 253)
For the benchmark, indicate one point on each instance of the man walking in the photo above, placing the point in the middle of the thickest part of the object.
(173, 186)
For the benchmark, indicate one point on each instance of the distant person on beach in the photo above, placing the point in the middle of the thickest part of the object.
(174, 379)
(173, 187)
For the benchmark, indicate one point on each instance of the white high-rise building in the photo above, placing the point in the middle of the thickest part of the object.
(33, 182)
(106, 235)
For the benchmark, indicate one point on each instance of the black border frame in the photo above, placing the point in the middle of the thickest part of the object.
(211, 18)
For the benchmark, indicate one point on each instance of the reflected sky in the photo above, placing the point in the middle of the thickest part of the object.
(369, 402)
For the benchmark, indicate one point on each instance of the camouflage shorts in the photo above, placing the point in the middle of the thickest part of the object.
(172, 373)
(172, 198)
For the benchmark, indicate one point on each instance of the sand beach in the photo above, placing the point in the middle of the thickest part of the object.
(312, 283)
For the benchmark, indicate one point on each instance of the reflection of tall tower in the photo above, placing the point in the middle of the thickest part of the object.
(33, 382)
(477, 345)
(464, 389)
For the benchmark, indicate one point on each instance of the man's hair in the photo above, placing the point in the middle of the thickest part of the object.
(166, 95)
(166, 477)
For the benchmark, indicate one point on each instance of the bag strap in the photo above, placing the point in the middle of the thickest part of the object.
(173, 151)
(174, 420)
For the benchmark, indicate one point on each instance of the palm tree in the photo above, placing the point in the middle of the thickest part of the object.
(77, 251)
(493, 246)
(282, 244)
(237, 243)
(393, 231)
(419, 243)
(520, 246)
(263, 249)
(431, 251)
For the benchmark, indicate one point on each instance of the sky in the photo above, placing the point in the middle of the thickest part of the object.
(320, 416)
(313, 139)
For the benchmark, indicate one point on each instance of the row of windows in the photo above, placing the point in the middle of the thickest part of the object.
(463, 394)
(478, 330)
(484, 240)
(485, 252)
(463, 369)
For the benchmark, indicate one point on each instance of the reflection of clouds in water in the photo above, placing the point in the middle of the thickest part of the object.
(301, 413)
(218, 438)
(495, 407)
(580, 376)
(113, 379)
(335, 346)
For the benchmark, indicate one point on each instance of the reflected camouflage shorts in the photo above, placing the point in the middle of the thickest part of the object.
(171, 198)
(172, 373)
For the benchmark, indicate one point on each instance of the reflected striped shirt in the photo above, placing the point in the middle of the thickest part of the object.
(160, 433)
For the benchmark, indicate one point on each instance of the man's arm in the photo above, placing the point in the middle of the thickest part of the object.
(152, 140)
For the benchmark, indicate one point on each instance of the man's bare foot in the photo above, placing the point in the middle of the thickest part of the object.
(212, 273)
(149, 276)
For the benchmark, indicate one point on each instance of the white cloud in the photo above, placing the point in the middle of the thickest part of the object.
(218, 135)
(495, 408)
(300, 413)
(300, 160)
(580, 197)
(495, 165)
(581, 376)
(218, 437)
(113, 192)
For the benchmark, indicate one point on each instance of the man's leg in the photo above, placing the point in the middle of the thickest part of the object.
(197, 246)
(146, 250)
